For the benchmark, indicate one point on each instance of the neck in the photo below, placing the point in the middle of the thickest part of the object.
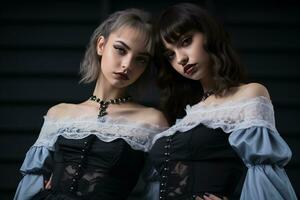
(105, 91)
(208, 84)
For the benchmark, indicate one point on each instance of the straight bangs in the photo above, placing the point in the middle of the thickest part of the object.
(173, 25)
(148, 37)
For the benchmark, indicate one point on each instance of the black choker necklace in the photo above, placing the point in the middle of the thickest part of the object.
(104, 104)
(207, 94)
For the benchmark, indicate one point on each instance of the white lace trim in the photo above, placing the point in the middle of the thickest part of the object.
(230, 116)
(137, 135)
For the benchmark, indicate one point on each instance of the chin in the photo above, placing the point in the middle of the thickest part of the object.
(121, 84)
(194, 77)
(198, 75)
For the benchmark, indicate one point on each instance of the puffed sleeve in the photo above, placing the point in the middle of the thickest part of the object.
(37, 163)
(265, 154)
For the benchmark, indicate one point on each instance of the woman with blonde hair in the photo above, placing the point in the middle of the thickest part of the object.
(95, 149)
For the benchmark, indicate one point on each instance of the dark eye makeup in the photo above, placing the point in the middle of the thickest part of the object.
(121, 50)
(186, 40)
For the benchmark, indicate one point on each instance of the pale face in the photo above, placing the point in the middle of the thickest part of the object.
(188, 57)
(124, 57)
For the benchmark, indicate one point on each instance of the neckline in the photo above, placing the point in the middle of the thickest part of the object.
(197, 114)
(202, 106)
(107, 119)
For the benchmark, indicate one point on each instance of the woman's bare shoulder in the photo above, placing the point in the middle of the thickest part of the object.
(65, 110)
(252, 90)
(150, 115)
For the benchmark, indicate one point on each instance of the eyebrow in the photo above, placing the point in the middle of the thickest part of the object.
(124, 44)
(186, 34)
(128, 48)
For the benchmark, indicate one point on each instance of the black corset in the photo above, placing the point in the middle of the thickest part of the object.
(89, 168)
(194, 162)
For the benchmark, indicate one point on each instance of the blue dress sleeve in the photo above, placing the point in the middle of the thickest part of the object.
(265, 154)
(37, 163)
(35, 166)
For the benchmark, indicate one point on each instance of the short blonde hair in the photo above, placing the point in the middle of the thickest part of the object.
(135, 18)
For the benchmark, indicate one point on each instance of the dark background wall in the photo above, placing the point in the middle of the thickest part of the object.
(42, 44)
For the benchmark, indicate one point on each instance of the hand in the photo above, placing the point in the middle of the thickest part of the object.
(48, 183)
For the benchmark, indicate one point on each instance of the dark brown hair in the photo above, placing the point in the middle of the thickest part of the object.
(176, 90)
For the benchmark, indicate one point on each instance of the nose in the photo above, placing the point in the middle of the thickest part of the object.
(126, 63)
(182, 59)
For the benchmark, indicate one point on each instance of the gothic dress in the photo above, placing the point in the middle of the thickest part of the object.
(207, 150)
(88, 158)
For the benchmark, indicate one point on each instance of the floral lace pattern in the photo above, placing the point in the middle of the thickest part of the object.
(137, 135)
(178, 180)
(232, 116)
(87, 181)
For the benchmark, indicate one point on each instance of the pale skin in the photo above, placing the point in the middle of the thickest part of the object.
(123, 51)
(189, 58)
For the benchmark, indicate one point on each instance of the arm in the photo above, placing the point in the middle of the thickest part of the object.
(262, 150)
(265, 154)
(37, 166)
(35, 170)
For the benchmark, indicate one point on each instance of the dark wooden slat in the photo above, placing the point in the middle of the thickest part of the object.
(22, 117)
(40, 62)
(264, 37)
(295, 148)
(261, 12)
(282, 92)
(42, 89)
(9, 173)
(51, 10)
(16, 145)
(287, 120)
(294, 174)
(7, 194)
(46, 35)
(272, 64)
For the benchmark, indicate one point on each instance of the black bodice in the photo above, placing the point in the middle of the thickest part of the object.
(89, 168)
(194, 162)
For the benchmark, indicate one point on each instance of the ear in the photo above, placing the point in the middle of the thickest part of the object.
(100, 45)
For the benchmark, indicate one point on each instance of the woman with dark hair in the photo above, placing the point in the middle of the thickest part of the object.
(95, 149)
(230, 123)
